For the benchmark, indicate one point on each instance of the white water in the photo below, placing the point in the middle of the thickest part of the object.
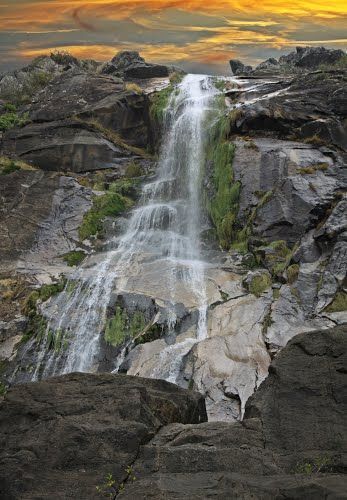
(164, 227)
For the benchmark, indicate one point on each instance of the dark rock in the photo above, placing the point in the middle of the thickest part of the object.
(66, 145)
(294, 420)
(269, 64)
(238, 68)
(129, 64)
(62, 437)
(311, 108)
(312, 57)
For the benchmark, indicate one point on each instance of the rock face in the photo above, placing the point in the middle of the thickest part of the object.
(75, 430)
(79, 122)
(41, 213)
(310, 108)
(238, 68)
(311, 57)
(137, 438)
(130, 65)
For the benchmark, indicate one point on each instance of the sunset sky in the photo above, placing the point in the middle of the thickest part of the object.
(199, 35)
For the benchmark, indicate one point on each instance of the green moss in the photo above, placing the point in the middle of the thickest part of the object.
(276, 293)
(42, 294)
(159, 102)
(12, 119)
(339, 303)
(74, 258)
(122, 327)
(133, 169)
(108, 205)
(125, 187)
(12, 166)
(293, 273)
(3, 389)
(259, 284)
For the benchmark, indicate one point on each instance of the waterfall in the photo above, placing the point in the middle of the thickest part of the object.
(164, 229)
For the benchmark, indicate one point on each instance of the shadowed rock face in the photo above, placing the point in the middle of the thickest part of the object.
(129, 64)
(79, 122)
(62, 437)
(65, 435)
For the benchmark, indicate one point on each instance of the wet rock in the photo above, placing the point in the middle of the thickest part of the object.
(233, 360)
(63, 437)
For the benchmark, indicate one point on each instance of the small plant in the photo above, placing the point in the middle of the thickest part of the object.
(3, 389)
(63, 57)
(339, 303)
(133, 169)
(320, 464)
(9, 168)
(293, 273)
(133, 87)
(108, 205)
(259, 284)
(74, 258)
(12, 119)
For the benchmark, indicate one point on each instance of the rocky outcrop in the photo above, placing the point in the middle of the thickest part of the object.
(40, 216)
(63, 437)
(130, 65)
(310, 108)
(238, 68)
(82, 122)
(311, 57)
(137, 438)
(303, 59)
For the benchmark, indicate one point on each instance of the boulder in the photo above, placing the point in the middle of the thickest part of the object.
(129, 65)
(312, 57)
(290, 444)
(238, 68)
(65, 437)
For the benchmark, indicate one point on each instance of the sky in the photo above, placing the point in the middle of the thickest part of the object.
(198, 35)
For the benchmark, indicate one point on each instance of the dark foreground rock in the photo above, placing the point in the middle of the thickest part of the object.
(61, 438)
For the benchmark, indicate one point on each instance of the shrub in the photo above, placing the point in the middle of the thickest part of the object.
(12, 119)
(339, 303)
(63, 57)
(292, 273)
(133, 169)
(9, 168)
(133, 87)
(259, 284)
(108, 205)
(74, 258)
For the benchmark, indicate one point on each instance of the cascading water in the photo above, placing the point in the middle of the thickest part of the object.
(164, 229)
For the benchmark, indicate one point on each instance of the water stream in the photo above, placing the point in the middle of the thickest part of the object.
(164, 228)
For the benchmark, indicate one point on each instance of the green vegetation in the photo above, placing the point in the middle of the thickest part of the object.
(319, 464)
(9, 168)
(293, 273)
(159, 102)
(339, 303)
(17, 95)
(42, 294)
(133, 87)
(133, 169)
(3, 389)
(12, 119)
(313, 168)
(74, 258)
(223, 207)
(123, 327)
(154, 332)
(109, 204)
(259, 284)
(63, 57)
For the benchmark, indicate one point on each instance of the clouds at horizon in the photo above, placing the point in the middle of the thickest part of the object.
(198, 35)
